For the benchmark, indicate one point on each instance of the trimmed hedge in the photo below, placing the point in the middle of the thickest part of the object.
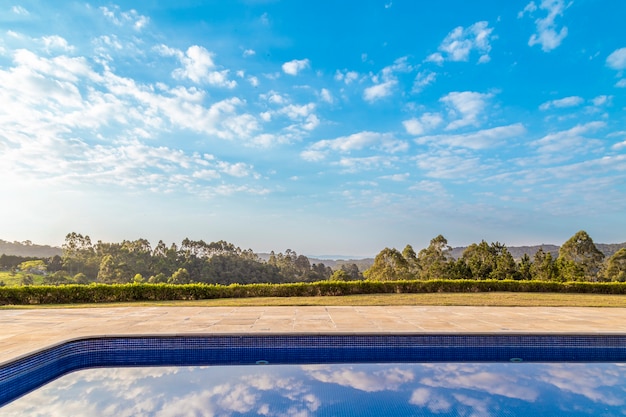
(106, 293)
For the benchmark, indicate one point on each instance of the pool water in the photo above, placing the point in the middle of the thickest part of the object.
(320, 375)
(349, 389)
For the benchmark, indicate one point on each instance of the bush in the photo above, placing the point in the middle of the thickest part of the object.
(109, 293)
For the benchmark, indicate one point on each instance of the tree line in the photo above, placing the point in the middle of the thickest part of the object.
(220, 262)
(578, 260)
(85, 262)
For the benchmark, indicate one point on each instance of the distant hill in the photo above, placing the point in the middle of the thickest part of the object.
(607, 249)
(29, 249)
(518, 251)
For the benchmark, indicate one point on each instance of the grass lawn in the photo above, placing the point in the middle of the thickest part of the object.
(502, 299)
(15, 278)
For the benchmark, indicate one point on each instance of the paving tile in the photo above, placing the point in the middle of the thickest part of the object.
(26, 331)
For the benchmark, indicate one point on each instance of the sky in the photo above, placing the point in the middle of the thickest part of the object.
(322, 127)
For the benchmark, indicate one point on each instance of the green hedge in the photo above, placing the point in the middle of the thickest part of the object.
(105, 293)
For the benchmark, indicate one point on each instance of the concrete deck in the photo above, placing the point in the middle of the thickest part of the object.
(26, 331)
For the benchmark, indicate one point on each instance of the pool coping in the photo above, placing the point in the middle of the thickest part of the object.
(23, 375)
(24, 332)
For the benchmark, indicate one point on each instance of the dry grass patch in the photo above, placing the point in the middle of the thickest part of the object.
(495, 299)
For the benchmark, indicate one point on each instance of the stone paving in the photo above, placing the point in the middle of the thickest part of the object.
(26, 331)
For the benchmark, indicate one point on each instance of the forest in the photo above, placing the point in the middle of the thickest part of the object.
(85, 262)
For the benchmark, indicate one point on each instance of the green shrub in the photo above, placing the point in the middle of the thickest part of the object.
(109, 293)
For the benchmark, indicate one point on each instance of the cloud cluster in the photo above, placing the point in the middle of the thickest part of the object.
(460, 42)
(617, 61)
(295, 66)
(548, 34)
(571, 101)
(386, 81)
(363, 141)
(120, 18)
(465, 107)
(198, 66)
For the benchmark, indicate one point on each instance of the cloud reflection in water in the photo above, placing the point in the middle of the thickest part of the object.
(463, 389)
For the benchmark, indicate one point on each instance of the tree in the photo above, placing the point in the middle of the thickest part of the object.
(389, 265)
(490, 261)
(481, 260)
(410, 257)
(579, 258)
(543, 267)
(113, 272)
(181, 276)
(57, 278)
(434, 261)
(79, 255)
(615, 269)
(506, 268)
(524, 267)
(340, 275)
(353, 271)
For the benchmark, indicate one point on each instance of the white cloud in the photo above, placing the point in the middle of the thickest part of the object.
(621, 83)
(617, 59)
(295, 111)
(397, 177)
(274, 97)
(547, 35)
(254, 81)
(425, 123)
(295, 66)
(20, 10)
(423, 79)
(131, 17)
(490, 381)
(619, 146)
(346, 76)
(56, 100)
(362, 140)
(379, 91)
(449, 165)
(198, 66)
(563, 145)
(238, 169)
(383, 380)
(571, 101)
(436, 57)
(386, 80)
(326, 96)
(590, 382)
(465, 107)
(311, 122)
(602, 100)
(425, 397)
(366, 163)
(56, 42)
(482, 139)
(313, 155)
(249, 52)
(460, 42)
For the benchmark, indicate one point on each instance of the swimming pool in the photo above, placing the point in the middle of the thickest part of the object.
(365, 354)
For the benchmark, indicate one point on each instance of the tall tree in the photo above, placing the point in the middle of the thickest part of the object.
(579, 258)
(543, 267)
(434, 261)
(389, 265)
(79, 255)
(615, 269)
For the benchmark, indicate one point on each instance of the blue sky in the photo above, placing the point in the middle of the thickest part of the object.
(319, 126)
